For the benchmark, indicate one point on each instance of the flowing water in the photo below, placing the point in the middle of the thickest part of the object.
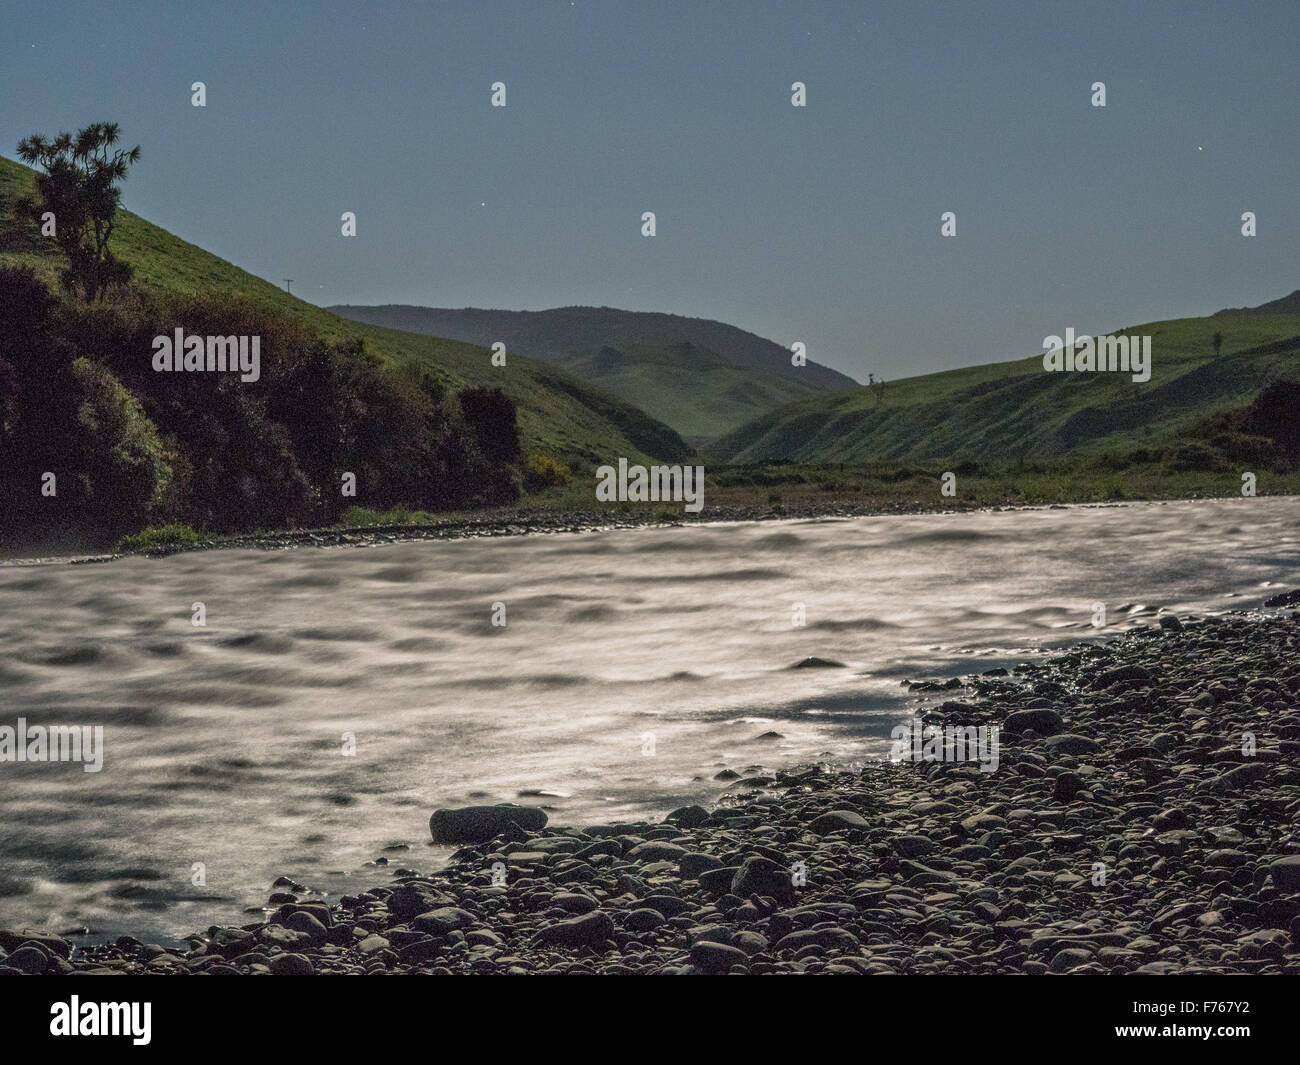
(633, 665)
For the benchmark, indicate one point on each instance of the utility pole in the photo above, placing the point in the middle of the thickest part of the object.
(287, 282)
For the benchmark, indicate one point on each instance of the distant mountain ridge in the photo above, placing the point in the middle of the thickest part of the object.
(548, 335)
(1286, 305)
(700, 376)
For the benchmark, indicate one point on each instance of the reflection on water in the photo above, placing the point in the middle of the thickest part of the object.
(633, 666)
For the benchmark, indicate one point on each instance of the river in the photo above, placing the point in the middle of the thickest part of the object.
(335, 697)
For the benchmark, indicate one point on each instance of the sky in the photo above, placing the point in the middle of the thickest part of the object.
(818, 224)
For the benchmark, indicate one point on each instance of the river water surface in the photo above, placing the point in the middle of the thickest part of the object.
(633, 666)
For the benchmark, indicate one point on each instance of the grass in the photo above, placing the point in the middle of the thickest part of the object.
(158, 536)
(644, 357)
(720, 398)
(1011, 432)
(580, 425)
(805, 490)
(363, 517)
(796, 488)
(1011, 410)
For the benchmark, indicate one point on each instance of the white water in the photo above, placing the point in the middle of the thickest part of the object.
(223, 744)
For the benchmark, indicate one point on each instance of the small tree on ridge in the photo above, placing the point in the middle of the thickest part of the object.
(80, 188)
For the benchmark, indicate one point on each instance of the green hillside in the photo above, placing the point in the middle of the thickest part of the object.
(721, 397)
(646, 358)
(557, 413)
(1014, 410)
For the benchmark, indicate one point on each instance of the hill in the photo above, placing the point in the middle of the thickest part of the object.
(1016, 410)
(1286, 305)
(640, 356)
(557, 413)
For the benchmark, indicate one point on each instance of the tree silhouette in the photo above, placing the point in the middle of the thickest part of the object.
(1218, 343)
(80, 188)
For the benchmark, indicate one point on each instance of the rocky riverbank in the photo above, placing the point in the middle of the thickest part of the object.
(1142, 817)
(522, 522)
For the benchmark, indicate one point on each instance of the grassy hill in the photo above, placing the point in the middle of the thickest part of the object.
(646, 358)
(557, 413)
(689, 387)
(1017, 410)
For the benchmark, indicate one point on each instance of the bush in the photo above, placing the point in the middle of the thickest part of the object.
(159, 536)
(362, 516)
(541, 471)
(1276, 414)
(123, 476)
(490, 415)
(129, 446)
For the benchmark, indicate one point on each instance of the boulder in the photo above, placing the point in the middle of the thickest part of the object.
(838, 821)
(1044, 722)
(715, 882)
(1120, 674)
(656, 850)
(643, 920)
(762, 876)
(443, 920)
(479, 824)
(1072, 744)
(717, 957)
(688, 816)
(292, 965)
(695, 863)
(1286, 874)
(29, 959)
(589, 930)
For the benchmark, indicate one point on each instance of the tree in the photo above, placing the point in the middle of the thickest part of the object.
(491, 417)
(1218, 343)
(80, 188)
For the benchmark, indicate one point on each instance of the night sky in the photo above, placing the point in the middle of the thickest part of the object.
(819, 224)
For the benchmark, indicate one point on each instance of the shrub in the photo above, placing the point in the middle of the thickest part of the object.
(542, 471)
(155, 537)
(490, 415)
(1274, 414)
(129, 447)
(361, 516)
(122, 470)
